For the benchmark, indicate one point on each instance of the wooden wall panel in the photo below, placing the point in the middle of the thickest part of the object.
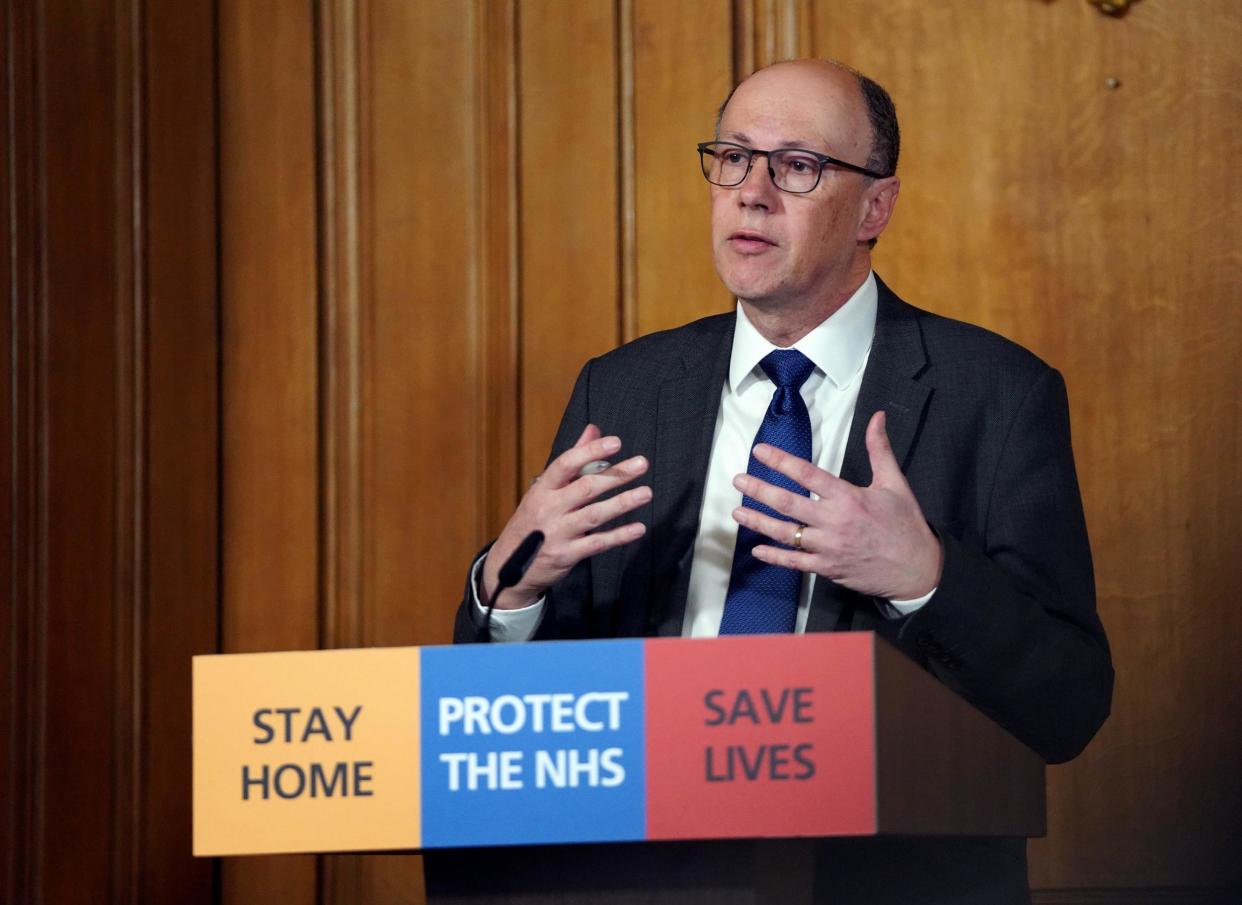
(84, 314)
(269, 320)
(496, 117)
(765, 31)
(21, 180)
(179, 427)
(1095, 225)
(343, 93)
(424, 441)
(269, 359)
(110, 446)
(683, 69)
(569, 240)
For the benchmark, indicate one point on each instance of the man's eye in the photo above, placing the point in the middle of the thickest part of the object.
(800, 165)
(733, 157)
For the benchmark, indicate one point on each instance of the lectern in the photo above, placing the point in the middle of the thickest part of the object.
(622, 771)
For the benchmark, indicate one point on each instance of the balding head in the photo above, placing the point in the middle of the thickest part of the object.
(883, 136)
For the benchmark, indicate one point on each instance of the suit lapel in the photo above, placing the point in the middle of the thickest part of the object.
(685, 425)
(897, 357)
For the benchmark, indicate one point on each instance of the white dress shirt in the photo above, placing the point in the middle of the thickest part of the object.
(839, 347)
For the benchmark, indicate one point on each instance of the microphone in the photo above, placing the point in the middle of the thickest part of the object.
(511, 573)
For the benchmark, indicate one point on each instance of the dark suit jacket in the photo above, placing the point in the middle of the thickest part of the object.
(981, 429)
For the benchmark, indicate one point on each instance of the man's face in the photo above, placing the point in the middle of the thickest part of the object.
(775, 249)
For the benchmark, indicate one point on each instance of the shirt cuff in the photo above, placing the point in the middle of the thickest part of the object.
(507, 625)
(899, 608)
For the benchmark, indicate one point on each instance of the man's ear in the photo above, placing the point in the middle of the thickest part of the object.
(877, 207)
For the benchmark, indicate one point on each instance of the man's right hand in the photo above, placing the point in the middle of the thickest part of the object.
(564, 504)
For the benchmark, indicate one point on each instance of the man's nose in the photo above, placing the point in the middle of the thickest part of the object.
(758, 189)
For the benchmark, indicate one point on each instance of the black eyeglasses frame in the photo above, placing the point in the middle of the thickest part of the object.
(704, 148)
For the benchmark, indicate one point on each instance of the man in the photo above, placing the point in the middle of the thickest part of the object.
(911, 475)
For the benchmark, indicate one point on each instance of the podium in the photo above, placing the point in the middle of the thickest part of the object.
(624, 771)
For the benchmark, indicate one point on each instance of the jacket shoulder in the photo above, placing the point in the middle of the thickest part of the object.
(655, 353)
(958, 346)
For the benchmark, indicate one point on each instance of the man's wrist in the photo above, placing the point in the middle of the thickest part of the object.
(512, 599)
(924, 589)
(509, 599)
(506, 625)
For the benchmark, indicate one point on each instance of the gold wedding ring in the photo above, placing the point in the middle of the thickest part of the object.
(797, 541)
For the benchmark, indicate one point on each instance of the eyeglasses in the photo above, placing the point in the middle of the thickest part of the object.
(794, 170)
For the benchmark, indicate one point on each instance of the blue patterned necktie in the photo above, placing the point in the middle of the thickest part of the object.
(763, 598)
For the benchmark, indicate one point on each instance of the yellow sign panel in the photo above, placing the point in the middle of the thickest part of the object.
(307, 751)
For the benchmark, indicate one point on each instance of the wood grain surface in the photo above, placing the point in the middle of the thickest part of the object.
(84, 310)
(178, 435)
(21, 543)
(570, 230)
(682, 71)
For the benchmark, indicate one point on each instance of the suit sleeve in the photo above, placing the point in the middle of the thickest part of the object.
(1013, 626)
(466, 628)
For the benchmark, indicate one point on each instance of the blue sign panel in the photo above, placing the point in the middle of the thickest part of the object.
(533, 743)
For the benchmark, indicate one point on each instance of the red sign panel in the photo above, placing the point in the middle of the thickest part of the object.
(761, 736)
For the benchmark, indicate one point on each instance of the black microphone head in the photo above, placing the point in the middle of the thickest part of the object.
(519, 560)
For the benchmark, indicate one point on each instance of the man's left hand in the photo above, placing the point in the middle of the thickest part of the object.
(873, 539)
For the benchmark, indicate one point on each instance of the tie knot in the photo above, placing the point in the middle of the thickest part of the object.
(787, 368)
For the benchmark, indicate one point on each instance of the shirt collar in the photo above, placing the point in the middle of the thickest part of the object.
(838, 346)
